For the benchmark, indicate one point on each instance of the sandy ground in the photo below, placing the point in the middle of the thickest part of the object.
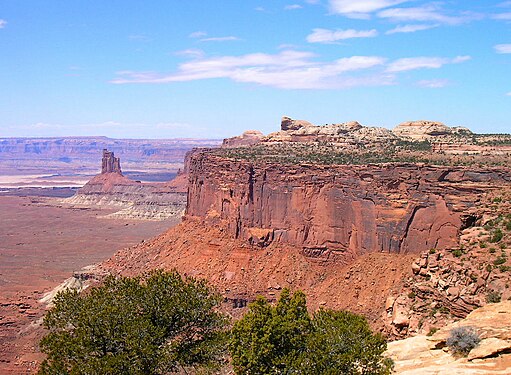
(40, 246)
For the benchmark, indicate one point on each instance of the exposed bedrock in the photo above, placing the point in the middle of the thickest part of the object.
(339, 211)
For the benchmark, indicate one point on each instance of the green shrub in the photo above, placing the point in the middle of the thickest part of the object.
(143, 325)
(432, 331)
(284, 339)
(496, 236)
(432, 251)
(503, 268)
(493, 297)
(500, 260)
(462, 340)
(457, 253)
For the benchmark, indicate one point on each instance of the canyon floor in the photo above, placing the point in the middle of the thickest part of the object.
(41, 244)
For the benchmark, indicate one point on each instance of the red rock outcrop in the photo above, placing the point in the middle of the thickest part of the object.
(135, 200)
(339, 212)
(110, 164)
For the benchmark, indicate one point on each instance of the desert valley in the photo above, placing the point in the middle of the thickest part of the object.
(414, 237)
(256, 187)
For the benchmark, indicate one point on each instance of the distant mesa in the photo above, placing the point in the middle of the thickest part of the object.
(349, 133)
(110, 164)
(248, 138)
(422, 130)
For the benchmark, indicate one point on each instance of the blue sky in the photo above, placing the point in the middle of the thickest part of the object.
(205, 68)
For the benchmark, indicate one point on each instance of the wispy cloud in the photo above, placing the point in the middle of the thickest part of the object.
(191, 52)
(203, 37)
(326, 36)
(139, 38)
(221, 39)
(433, 83)
(503, 48)
(2, 23)
(285, 70)
(361, 8)
(293, 7)
(414, 63)
(410, 28)
(509, 93)
(427, 13)
(502, 16)
(198, 34)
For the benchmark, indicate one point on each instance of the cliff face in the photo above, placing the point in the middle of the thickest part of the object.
(339, 212)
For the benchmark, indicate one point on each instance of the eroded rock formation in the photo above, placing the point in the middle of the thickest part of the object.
(109, 163)
(339, 211)
(131, 199)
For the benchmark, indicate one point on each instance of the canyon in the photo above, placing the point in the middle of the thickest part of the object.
(409, 227)
(365, 219)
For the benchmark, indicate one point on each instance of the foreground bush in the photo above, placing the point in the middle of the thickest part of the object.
(156, 324)
(284, 339)
(462, 340)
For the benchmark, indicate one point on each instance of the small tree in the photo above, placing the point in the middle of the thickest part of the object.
(343, 343)
(143, 325)
(269, 339)
(284, 339)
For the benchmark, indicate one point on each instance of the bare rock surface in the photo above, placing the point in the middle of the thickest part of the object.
(422, 355)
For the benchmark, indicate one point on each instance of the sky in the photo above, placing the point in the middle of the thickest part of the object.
(213, 69)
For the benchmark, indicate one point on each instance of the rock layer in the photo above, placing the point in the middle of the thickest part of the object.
(339, 212)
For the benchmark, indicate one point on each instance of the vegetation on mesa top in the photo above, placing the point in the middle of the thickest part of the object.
(162, 323)
(293, 153)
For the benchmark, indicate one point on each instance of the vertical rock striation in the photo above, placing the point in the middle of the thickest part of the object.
(110, 164)
(339, 212)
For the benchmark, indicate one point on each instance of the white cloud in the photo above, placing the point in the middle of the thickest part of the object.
(198, 34)
(414, 63)
(410, 28)
(285, 70)
(191, 52)
(427, 13)
(502, 16)
(293, 7)
(503, 48)
(220, 39)
(3, 23)
(433, 83)
(361, 8)
(508, 94)
(260, 9)
(330, 36)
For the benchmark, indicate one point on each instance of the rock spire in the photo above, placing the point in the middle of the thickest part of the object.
(110, 164)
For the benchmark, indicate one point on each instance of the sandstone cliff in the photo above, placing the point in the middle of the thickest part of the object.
(339, 211)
